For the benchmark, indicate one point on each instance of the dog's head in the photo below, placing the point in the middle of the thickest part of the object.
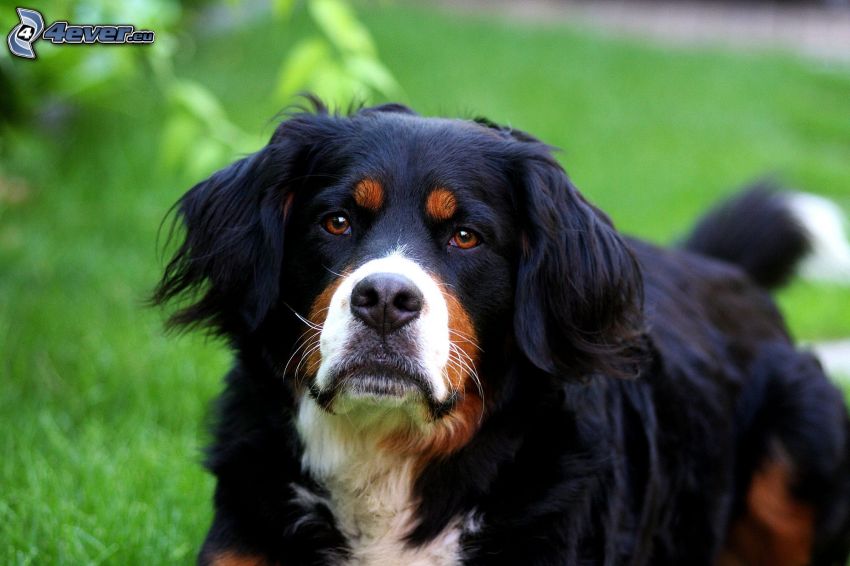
(390, 266)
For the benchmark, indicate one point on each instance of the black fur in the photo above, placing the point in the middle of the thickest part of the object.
(757, 232)
(593, 324)
(571, 465)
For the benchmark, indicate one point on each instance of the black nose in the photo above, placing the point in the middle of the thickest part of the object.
(386, 301)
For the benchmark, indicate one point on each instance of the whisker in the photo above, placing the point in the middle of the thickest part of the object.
(306, 321)
(466, 338)
(463, 353)
(473, 374)
(315, 347)
(309, 322)
(331, 271)
(468, 366)
(453, 364)
(302, 342)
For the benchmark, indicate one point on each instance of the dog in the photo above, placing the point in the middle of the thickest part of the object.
(444, 354)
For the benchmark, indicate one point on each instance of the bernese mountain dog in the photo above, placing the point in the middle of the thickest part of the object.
(444, 354)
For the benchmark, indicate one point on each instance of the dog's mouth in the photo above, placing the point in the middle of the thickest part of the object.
(381, 382)
(386, 384)
(373, 380)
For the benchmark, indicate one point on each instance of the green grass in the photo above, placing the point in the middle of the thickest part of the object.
(103, 415)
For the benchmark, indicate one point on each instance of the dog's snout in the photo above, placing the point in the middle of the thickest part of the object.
(386, 301)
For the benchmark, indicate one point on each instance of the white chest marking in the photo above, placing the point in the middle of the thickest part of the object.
(370, 494)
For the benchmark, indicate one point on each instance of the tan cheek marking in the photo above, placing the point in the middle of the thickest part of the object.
(287, 205)
(451, 432)
(464, 340)
(369, 194)
(441, 204)
(320, 306)
(229, 558)
(317, 315)
(777, 529)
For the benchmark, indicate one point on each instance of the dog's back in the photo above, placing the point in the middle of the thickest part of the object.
(791, 501)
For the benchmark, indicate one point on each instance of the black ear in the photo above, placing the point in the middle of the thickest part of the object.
(228, 268)
(579, 293)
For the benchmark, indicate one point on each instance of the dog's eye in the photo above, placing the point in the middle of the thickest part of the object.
(464, 239)
(336, 224)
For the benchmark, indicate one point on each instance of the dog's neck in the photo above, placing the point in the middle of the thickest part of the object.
(369, 488)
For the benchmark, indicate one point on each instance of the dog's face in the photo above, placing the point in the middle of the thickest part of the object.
(398, 259)
(384, 261)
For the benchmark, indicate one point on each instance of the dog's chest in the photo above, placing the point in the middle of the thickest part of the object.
(376, 520)
(370, 496)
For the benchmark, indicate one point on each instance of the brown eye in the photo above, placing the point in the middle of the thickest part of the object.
(464, 239)
(336, 224)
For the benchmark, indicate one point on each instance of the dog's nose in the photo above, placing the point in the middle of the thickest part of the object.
(386, 301)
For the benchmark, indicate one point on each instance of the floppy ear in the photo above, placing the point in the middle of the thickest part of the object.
(229, 265)
(578, 307)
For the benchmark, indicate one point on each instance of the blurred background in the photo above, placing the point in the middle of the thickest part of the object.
(660, 110)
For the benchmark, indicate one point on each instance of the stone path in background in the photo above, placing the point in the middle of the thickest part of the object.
(821, 32)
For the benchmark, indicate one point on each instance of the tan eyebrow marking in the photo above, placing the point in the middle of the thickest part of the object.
(441, 204)
(369, 194)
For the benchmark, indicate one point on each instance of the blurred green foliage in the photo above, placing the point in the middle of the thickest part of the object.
(72, 76)
(339, 63)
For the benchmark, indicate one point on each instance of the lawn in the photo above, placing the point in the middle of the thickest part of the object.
(103, 414)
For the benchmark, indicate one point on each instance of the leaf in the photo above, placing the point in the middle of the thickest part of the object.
(338, 22)
(299, 68)
(282, 9)
(205, 157)
(197, 100)
(100, 70)
(374, 74)
(337, 87)
(199, 105)
(178, 136)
